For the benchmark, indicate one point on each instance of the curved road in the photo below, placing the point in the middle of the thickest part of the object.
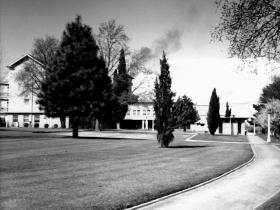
(245, 188)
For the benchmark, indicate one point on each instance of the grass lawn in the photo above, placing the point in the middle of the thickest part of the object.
(45, 171)
(220, 138)
(271, 204)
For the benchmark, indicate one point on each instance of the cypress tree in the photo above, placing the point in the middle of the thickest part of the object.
(75, 83)
(228, 111)
(121, 87)
(213, 115)
(163, 103)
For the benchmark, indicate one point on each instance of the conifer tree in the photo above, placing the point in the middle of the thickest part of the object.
(163, 105)
(121, 90)
(76, 84)
(213, 115)
(228, 111)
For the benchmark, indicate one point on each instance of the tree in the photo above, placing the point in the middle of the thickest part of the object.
(111, 38)
(213, 115)
(228, 111)
(74, 81)
(163, 103)
(251, 27)
(272, 107)
(122, 90)
(31, 77)
(271, 91)
(184, 112)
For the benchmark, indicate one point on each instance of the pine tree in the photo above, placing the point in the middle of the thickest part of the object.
(163, 105)
(213, 115)
(76, 84)
(228, 111)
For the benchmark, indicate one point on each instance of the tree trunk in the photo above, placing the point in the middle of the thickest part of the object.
(97, 125)
(118, 126)
(62, 122)
(184, 128)
(75, 133)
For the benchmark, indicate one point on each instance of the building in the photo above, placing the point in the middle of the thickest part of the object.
(139, 116)
(22, 110)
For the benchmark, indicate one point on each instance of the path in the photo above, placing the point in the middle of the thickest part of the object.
(243, 189)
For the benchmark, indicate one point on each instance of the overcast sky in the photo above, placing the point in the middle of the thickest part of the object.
(182, 27)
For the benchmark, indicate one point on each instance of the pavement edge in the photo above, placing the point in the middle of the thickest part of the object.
(195, 186)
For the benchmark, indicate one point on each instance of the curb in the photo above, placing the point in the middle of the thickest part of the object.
(196, 186)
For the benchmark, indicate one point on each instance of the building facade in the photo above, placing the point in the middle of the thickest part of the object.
(22, 109)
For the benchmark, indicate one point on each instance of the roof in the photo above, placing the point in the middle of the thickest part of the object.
(22, 60)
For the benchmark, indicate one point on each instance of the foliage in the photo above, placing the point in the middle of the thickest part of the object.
(271, 91)
(163, 103)
(184, 112)
(122, 83)
(272, 107)
(251, 27)
(76, 83)
(213, 115)
(111, 38)
(228, 111)
(33, 73)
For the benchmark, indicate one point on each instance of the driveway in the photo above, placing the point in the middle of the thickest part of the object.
(245, 188)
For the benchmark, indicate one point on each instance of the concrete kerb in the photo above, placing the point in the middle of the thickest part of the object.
(196, 186)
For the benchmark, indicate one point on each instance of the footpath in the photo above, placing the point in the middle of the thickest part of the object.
(243, 189)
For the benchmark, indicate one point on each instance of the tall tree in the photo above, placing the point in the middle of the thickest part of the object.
(73, 84)
(184, 113)
(251, 27)
(111, 38)
(273, 108)
(213, 115)
(163, 103)
(122, 84)
(228, 111)
(31, 77)
(271, 91)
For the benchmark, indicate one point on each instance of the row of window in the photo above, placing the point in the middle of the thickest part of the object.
(137, 112)
(26, 118)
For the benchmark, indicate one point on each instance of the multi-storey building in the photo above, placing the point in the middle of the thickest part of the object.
(22, 110)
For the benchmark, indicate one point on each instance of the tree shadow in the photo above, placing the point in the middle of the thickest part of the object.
(188, 146)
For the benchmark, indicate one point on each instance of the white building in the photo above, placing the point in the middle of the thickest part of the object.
(22, 110)
(139, 116)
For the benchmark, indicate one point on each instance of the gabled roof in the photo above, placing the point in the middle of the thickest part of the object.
(22, 60)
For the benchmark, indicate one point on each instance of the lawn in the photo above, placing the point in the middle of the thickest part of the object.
(45, 171)
(220, 138)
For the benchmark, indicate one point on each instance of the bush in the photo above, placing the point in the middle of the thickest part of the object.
(55, 126)
(36, 125)
(2, 122)
(46, 125)
(26, 125)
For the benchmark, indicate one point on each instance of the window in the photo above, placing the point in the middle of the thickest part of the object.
(138, 112)
(128, 112)
(144, 112)
(37, 118)
(134, 112)
(15, 118)
(26, 118)
(26, 100)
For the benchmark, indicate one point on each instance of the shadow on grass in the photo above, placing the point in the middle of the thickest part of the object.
(188, 146)
(107, 138)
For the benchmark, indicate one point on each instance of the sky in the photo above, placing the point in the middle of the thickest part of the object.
(181, 27)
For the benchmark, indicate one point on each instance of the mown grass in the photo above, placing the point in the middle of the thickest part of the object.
(44, 171)
(220, 138)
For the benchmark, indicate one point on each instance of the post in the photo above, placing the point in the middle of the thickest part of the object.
(254, 127)
(143, 124)
(153, 125)
(268, 128)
